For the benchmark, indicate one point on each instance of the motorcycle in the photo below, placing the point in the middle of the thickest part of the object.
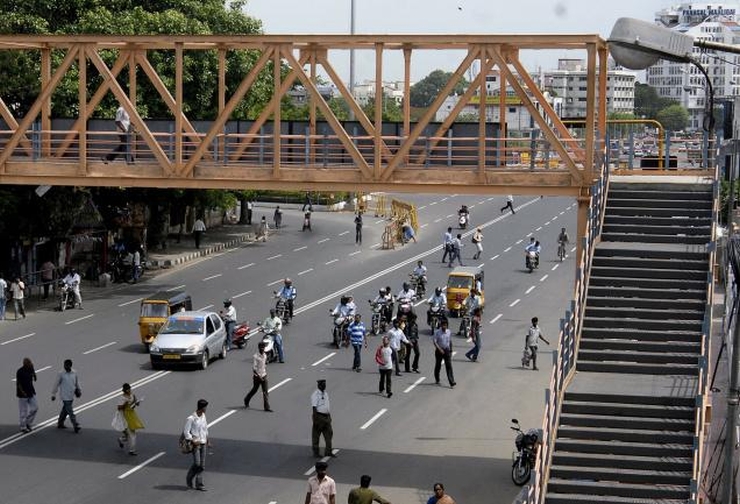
(405, 310)
(531, 260)
(419, 284)
(339, 334)
(462, 221)
(281, 308)
(307, 221)
(436, 314)
(268, 338)
(241, 331)
(378, 319)
(464, 324)
(526, 453)
(66, 296)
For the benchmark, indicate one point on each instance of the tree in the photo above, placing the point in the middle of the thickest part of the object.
(648, 103)
(427, 89)
(673, 117)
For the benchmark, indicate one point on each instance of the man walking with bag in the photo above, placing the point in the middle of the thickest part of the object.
(534, 334)
(259, 377)
(68, 387)
(196, 431)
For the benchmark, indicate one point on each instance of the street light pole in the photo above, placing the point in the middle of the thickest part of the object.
(352, 50)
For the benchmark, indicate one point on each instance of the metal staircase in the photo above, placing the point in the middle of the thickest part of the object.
(628, 425)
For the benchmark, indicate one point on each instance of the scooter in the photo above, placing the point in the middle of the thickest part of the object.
(339, 331)
(531, 260)
(462, 221)
(268, 338)
(526, 453)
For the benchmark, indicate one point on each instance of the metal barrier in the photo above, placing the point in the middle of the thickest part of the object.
(570, 329)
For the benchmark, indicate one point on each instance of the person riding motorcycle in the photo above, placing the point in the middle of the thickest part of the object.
(437, 299)
(533, 246)
(420, 275)
(406, 295)
(228, 314)
(391, 302)
(273, 325)
(72, 281)
(472, 302)
(345, 308)
(288, 294)
(463, 216)
(384, 300)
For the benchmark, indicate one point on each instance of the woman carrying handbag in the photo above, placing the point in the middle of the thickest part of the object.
(126, 420)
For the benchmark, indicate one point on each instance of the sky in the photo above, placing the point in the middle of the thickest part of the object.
(498, 17)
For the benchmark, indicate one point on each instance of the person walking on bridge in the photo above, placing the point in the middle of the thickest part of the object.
(123, 126)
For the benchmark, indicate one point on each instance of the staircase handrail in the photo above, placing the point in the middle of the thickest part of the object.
(564, 358)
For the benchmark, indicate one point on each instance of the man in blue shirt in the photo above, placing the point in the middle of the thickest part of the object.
(443, 352)
(288, 294)
(357, 334)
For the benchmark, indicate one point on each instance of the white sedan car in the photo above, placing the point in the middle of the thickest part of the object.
(191, 337)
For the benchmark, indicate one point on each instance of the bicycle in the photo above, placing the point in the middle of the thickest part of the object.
(561, 251)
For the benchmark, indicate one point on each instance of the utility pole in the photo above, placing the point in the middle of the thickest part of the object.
(352, 57)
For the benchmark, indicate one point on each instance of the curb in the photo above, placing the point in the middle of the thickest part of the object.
(189, 256)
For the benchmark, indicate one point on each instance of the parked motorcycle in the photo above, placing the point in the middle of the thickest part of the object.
(268, 338)
(339, 334)
(531, 260)
(66, 297)
(526, 453)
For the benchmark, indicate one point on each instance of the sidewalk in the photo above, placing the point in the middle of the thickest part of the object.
(214, 240)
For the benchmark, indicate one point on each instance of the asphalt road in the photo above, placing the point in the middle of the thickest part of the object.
(424, 433)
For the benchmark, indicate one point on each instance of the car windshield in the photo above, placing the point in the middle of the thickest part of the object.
(154, 310)
(459, 282)
(183, 325)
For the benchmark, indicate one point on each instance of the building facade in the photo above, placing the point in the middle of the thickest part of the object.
(683, 82)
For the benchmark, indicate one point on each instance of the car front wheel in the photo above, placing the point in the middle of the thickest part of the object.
(204, 360)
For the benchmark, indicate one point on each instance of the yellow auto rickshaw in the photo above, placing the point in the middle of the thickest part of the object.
(156, 308)
(459, 282)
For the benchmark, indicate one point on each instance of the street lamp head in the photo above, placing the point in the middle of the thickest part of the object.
(637, 44)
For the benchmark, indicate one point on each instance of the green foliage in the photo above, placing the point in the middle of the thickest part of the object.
(427, 89)
(673, 117)
(391, 111)
(648, 103)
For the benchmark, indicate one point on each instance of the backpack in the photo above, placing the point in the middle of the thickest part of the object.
(379, 356)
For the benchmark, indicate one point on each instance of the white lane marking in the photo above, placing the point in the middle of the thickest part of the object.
(222, 417)
(245, 266)
(37, 371)
(490, 199)
(4, 443)
(530, 289)
(279, 384)
(517, 243)
(496, 318)
(375, 417)
(554, 217)
(130, 302)
(481, 265)
(422, 207)
(79, 319)
(212, 277)
(330, 262)
(424, 225)
(99, 348)
(323, 459)
(448, 216)
(547, 223)
(555, 267)
(544, 278)
(324, 240)
(354, 253)
(323, 358)
(379, 221)
(305, 271)
(343, 233)
(241, 294)
(561, 213)
(413, 385)
(573, 249)
(205, 307)
(140, 466)
(300, 248)
(481, 202)
(275, 282)
(420, 302)
(445, 198)
(472, 206)
(507, 249)
(512, 305)
(538, 229)
(18, 339)
(432, 203)
(178, 287)
(494, 257)
(437, 220)
(274, 257)
(376, 245)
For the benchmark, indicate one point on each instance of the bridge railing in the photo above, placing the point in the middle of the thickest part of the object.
(564, 358)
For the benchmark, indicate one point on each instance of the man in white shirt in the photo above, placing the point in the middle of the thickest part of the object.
(509, 204)
(199, 227)
(228, 314)
(3, 296)
(534, 334)
(73, 282)
(196, 431)
(385, 367)
(68, 387)
(259, 377)
(137, 264)
(321, 417)
(396, 337)
(321, 488)
(274, 325)
(123, 126)
(18, 288)
(447, 244)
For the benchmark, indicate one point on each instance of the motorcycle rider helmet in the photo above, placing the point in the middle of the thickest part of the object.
(438, 291)
(381, 292)
(406, 286)
(227, 302)
(344, 300)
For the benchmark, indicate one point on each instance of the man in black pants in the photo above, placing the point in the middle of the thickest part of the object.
(447, 244)
(358, 228)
